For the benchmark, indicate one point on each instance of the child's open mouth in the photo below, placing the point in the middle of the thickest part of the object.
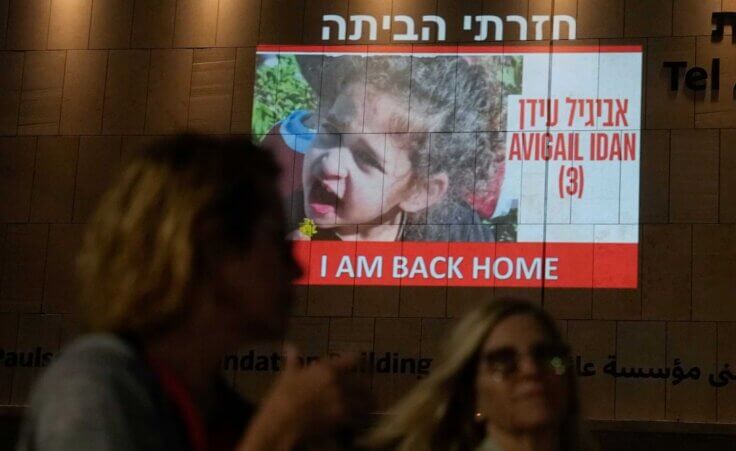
(322, 200)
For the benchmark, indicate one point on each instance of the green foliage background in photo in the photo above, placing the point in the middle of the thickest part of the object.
(280, 89)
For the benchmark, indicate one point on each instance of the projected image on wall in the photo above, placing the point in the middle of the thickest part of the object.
(458, 166)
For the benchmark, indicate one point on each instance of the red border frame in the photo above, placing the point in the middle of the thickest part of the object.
(582, 265)
(449, 49)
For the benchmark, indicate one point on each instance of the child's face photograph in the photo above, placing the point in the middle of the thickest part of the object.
(385, 147)
(355, 173)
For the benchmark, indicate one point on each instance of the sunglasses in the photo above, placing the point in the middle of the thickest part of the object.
(551, 358)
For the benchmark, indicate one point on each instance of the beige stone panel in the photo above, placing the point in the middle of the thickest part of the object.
(600, 18)
(20, 307)
(648, 18)
(17, 160)
(727, 189)
(400, 335)
(134, 144)
(169, 85)
(8, 340)
(666, 108)
(716, 108)
(453, 11)
(153, 24)
(309, 335)
(655, 176)
(531, 294)
(640, 344)
(126, 92)
(416, 9)
(695, 345)
(617, 304)
(545, 8)
(243, 90)
(2, 252)
(326, 300)
(503, 8)
(84, 92)
(694, 176)
(666, 252)
(726, 352)
(377, 10)
(593, 342)
(196, 23)
(423, 302)
(728, 5)
(97, 168)
(52, 198)
(376, 301)
(60, 284)
(435, 335)
(28, 24)
(253, 384)
(38, 337)
(389, 388)
(69, 24)
(71, 328)
(351, 335)
(238, 22)
(24, 257)
(568, 303)
(693, 17)
(11, 80)
(562, 326)
(282, 22)
(4, 7)
(313, 12)
(461, 300)
(210, 105)
(112, 21)
(714, 267)
(301, 293)
(40, 99)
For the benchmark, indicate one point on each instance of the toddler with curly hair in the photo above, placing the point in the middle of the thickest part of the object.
(406, 146)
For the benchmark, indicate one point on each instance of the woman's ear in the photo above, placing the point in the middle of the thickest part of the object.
(424, 195)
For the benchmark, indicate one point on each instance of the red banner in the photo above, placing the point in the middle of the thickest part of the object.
(553, 265)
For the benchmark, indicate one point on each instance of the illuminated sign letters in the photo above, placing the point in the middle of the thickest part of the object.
(362, 26)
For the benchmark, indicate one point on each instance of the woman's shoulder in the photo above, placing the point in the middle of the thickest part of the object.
(97, 355)
(97, 391)
(98, 345)
(91, 372)
(92, 365)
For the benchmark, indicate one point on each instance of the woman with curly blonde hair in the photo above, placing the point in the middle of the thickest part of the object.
(184, 261)
(506, 383)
